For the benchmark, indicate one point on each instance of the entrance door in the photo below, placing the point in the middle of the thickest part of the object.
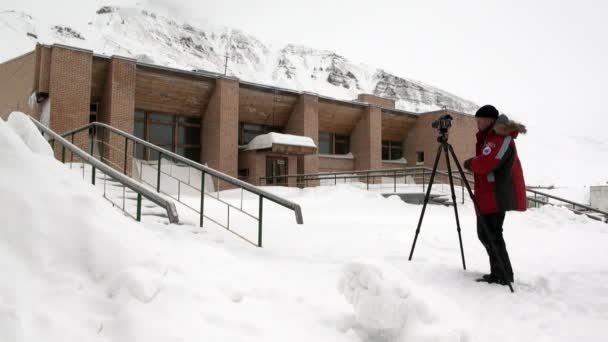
(275, 167)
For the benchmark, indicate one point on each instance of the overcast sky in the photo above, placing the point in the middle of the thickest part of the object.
(544, 62)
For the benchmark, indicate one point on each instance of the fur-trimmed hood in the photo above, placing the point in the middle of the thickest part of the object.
(504, 126)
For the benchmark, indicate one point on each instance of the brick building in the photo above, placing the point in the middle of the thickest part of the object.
(210, 118)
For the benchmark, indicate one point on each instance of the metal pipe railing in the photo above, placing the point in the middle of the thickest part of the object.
(222, 176)
(169, 206)
(205, 171)
(422, 170)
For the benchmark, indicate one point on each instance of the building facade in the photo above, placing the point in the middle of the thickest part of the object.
(211, 118)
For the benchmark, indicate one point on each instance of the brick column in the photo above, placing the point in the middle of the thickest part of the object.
(117, 110)
(70, 91)
(219, 131)
(366, 140)
(304, 121)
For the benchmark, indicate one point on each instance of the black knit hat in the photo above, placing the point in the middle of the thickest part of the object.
(487, 111)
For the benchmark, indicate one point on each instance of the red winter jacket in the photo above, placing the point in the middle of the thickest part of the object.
(499, 179)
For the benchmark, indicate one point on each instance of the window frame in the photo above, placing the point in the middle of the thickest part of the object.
(391, 146)
(334, 139)
(176, 121)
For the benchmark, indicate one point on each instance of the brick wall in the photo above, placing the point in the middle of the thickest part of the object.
(70, 90)
(329, 164)
(43, 67)
(17, 78)
(366, 140)
(117, 110)
(304, 121)
(423, 137)
(220, 124)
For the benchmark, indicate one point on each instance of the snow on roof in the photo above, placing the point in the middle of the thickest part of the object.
(265, 141)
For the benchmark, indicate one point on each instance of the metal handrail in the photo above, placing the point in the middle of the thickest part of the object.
(411, 171)
(169, 206)
(222, 176)
(574, 204)
(100, 128)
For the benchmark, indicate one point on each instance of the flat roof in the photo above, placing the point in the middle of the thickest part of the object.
(254, 85)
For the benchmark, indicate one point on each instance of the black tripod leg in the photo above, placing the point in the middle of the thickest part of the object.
(447, 161)
(426, 200)
(481, 218)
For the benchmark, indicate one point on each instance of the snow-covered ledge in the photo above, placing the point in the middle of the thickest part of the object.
(337, 156)
(283, 143)
(401, 161)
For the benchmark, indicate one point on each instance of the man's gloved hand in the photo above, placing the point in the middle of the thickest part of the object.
(467, 164)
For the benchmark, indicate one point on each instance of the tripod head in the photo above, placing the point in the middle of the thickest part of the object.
(443, 124)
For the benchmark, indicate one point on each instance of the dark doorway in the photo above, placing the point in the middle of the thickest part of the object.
(276, 167)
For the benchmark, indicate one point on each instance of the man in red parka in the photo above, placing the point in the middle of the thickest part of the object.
(499, 186)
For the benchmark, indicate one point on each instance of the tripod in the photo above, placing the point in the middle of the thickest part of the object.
(449, 150)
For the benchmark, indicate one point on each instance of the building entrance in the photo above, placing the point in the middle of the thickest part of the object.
(276, 167)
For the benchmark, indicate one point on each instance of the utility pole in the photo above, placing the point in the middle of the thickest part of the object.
(226, 65)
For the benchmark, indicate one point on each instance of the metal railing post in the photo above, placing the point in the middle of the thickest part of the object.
(160, 157)
(72, 153)
(202, 197)
(138, 207)
(395, 181)
(93, 174)
(124, 171)
(367, 180)
(63, 154)
(335, 179)
(92, 142)
(260, 225)
(423, 181)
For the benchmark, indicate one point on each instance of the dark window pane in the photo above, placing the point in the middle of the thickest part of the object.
(193, 154)
(325, 143)
(419, 157)
(139, 130)
(161, 117)
(189, 120)
(396, 153)
(342, 144)
(385, 152)
(139, 115)
(189, 135)
(161, 134)
(139, 151)
(154, 154)
(250, 131)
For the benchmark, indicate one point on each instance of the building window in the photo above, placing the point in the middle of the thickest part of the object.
(179, 134)
(249, 131)
(341, 144)
(325, 143)
(392, 150)
(330, 143)
(419, 158)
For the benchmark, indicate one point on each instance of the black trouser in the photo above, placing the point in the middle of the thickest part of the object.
(491, 238)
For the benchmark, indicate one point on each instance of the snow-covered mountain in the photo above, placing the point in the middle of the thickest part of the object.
(154, 38)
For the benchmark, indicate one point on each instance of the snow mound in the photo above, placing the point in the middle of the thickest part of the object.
(266, 140)
(21, 124)
(68, 255)
(386, 308)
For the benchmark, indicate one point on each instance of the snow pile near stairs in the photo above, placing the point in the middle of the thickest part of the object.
(64, 253)
(389, 307)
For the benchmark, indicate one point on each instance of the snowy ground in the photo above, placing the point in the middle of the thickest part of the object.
(76, 269)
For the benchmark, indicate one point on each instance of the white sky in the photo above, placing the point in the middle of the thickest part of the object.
(544, 62)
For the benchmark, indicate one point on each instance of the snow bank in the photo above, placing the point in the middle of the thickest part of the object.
(265, 141)
(29, 134)
(65, 253)
(386, 308)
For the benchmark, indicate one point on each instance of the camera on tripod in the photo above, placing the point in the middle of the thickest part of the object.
(443, 123)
